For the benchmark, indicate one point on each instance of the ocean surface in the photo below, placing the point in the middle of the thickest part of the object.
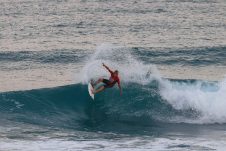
(171, 57)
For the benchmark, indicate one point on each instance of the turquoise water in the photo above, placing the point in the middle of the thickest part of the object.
(170, 55)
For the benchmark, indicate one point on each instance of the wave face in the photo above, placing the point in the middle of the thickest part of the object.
(140, 105)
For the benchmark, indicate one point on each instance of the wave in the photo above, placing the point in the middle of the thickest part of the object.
(63, 56)
(192, 101)
(147, 98)
(175, 56)
(201, 56)
(186, 101)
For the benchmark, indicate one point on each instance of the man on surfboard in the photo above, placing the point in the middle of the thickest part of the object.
(108, 83)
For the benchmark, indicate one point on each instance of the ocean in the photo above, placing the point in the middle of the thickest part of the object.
(171, 58)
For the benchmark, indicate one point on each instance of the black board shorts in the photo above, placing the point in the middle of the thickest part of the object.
(108, 84)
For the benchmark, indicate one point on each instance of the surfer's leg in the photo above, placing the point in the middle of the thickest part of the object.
(98, 81)
(92, 83)
(99, 89)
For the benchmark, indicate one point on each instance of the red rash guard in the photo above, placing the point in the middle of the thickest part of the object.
(113, 79)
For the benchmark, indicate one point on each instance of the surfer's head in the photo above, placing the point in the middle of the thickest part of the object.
(116, 72)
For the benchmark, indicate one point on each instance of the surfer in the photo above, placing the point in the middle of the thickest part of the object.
(108, 83)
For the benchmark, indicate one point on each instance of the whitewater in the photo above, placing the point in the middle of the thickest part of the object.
(171, 60)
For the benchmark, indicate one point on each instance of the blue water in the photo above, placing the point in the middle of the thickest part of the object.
(171, 57)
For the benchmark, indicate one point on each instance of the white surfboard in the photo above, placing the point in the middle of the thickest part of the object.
(90, 88)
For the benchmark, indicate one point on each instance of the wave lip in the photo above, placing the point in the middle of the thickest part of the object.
(206, 98)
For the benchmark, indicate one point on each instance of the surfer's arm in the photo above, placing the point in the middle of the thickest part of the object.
(107, 68)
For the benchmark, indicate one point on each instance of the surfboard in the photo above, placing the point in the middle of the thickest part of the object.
(90, 88)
